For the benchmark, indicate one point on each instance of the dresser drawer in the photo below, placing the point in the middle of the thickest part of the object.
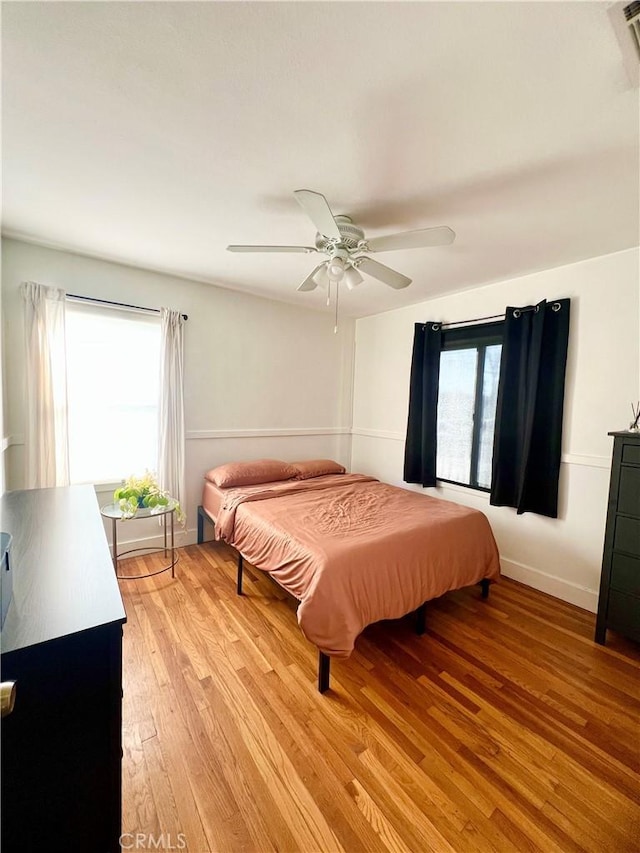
(625, 574)
(631, 454)
(629, 491)
(627, 535)
(623, 614)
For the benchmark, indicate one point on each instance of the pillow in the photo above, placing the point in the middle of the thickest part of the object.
(250, 473)
(316, 468)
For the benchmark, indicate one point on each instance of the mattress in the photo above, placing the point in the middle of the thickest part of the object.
(212, 499)
(354, 550)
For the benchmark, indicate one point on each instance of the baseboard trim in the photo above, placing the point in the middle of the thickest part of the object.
(565, 590)
(181, 539)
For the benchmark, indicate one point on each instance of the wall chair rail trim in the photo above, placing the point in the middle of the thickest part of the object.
(587, 460)
(590, 461)
(379, 433)
(193, 435)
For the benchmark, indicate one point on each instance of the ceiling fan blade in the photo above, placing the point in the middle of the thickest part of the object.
(306, 249)
(423, 238)
(383, 273)
(317, 209)
(309, 283)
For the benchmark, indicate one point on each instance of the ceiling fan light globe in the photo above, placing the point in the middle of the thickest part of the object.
(335, 269)
(320, 277)
(352, 278)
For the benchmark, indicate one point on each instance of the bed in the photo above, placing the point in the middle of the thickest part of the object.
(351, 549)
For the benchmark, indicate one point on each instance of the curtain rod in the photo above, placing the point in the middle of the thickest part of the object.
(555, 306)
(117, 304)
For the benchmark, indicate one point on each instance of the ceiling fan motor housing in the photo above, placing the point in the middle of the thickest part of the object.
(349, 233)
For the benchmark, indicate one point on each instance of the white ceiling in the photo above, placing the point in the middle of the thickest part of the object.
(157, 133)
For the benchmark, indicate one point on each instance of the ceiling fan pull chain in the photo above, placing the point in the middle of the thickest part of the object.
(329, 292)
(335, 328)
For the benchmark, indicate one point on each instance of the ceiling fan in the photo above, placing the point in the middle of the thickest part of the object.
(347, 248)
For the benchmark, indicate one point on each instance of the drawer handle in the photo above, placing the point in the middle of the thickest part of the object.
(7, 697)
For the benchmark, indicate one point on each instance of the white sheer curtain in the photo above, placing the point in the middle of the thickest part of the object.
(46, 433)
(171, 410)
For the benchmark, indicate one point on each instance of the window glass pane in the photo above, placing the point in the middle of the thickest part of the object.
(113, 362)
(488, 415)
(456, 396)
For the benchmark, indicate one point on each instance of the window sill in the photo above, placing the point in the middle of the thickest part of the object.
(107, 487)
(100, 485)
(459, 487)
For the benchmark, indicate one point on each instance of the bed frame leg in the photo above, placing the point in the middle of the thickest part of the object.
(202, 517)
(239, 581)
(421, 619)
(200, 525)
(324, 671)
(485, 587)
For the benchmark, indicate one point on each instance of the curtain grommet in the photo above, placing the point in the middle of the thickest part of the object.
(556, 306)
(435, 327)
(517, 313)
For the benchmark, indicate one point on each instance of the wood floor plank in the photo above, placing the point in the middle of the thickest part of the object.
(392, 841)
(166, 811)
(138, 808)
(325, 776)
(503, 728)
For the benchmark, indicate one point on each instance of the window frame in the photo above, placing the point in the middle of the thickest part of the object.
(130, 314)
(471, 337)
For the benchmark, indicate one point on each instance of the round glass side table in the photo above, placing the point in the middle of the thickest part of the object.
(167, 514)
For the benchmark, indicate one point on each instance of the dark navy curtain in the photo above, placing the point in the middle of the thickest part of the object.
(528, 432)
(420, 446)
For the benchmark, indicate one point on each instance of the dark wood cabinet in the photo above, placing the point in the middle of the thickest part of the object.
(62, 645)
(619, 602)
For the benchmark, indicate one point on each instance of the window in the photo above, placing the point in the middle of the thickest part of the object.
(467, 396)
(112, 389)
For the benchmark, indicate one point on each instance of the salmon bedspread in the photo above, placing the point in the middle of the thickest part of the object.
(354, 550)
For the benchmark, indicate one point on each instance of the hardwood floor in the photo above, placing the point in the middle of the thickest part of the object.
(503, 728)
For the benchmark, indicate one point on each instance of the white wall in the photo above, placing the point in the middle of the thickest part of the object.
(560, 556)
(4, 442)
(262, 378)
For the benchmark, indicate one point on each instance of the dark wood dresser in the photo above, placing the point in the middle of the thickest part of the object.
(619, 602)
(62, 645)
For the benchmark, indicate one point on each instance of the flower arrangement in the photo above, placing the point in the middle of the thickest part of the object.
(142, 493)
